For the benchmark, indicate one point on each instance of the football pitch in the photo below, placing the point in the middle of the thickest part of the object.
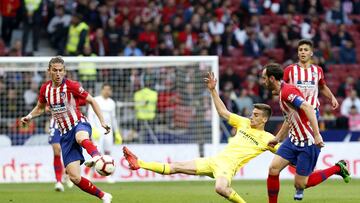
(332, 191)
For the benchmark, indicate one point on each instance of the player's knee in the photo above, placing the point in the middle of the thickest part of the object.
(221, 190)
(74, 177)
(273, 170)
(300, 184)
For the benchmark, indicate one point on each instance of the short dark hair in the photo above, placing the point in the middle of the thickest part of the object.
(274, 69)
(266, 109)
(307, 42)
(105, 84)
(57, 59)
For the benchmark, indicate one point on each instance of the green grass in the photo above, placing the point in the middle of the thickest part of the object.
(332, 191)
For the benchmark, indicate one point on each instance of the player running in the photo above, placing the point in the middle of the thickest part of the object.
(302, 147)
(249, 142)
(64, 97)
(108, 109)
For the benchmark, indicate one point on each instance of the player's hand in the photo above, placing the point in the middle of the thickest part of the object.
(334, 103)
(210, 80)
(273, 142)
(106, 127)
(26, 119)
(319, 141)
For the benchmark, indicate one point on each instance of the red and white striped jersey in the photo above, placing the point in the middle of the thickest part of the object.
(64, 102)
(291, 99)
(307, 80)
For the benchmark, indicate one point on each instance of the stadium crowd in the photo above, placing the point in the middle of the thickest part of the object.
(246, 34)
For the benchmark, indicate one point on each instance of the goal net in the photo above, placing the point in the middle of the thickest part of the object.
(182, 109)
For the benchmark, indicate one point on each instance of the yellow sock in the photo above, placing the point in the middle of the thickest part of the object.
(235, 197)
(161, 168)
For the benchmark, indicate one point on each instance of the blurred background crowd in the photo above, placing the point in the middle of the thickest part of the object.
(245, 34)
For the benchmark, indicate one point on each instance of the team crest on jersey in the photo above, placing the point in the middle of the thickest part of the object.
(63, 95)
(81, 90)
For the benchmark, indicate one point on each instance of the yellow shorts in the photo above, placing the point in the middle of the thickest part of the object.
(215, 167)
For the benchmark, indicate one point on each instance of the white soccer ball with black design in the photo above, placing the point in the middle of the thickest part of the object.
(105, 166)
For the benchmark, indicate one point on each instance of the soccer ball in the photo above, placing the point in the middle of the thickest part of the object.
(105, 166)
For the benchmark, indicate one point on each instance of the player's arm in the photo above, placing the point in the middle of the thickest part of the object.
(325, 90)
(211, 81)
(280, 136)
(95, 106)
(310, 114)
(37, 111)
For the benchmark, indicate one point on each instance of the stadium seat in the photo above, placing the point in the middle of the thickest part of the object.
(5, 141)
(40, 139)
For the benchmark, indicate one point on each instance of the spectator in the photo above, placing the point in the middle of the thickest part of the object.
(32, 17)
(13, 105)
(113, 34)
(8, 11)
(58, 29)
(230, 76)
(351, 100)
(347, 53)
(328, 120)
(336, 14)
(100, 44)
(307, 31)
(354, 119)
(253, 46)
(346, 87)
(267, 38)
(188, 37)
(216, 47)
(148, 39)
(244, 103)
(78, 36)
(216, 27)
(132, 50)
(340, 38)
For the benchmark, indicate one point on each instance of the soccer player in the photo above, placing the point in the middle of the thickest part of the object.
(308, 77)
(108, 109)
(302, 147)
(249, 142)
(64, 97)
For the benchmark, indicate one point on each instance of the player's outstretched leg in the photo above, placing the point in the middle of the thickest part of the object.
(135, 163)
(317, 177)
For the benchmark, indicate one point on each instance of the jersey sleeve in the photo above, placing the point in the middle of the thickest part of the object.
(286, 76)
(321, 77)
(293, 96)
(79, 92)
(238, 121)
(41, 97)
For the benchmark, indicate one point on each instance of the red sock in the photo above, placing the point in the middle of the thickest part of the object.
(58, 168)
(90, 188)
(90, 147)
(273, 186)
(319, 176)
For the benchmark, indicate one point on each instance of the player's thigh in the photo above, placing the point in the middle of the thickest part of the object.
(307, 160)
(187, 167)
(82, 131)
(277, 165)
(203, 167)
(225, 168)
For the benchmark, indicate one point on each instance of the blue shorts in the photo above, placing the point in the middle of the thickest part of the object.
(304, 158)
(55, 136)
(71, 150)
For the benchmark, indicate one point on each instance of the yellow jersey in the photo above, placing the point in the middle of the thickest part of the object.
(247, 144)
